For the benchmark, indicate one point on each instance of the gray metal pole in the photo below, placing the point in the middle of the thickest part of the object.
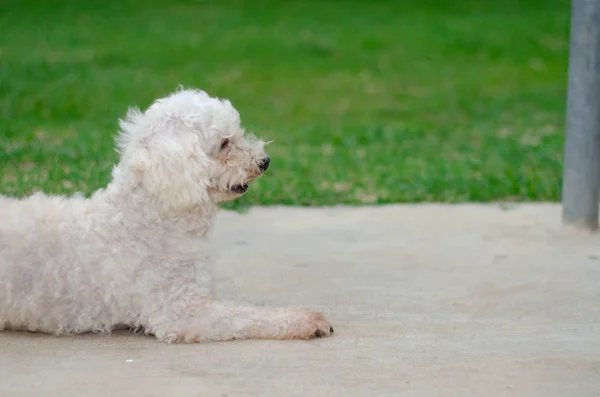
(581, 174)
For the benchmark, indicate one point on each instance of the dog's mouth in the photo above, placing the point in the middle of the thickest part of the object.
(239, 189)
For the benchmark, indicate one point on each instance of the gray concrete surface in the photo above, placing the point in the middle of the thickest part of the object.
(426, 300)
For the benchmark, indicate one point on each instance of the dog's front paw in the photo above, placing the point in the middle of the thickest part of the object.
(308, 325)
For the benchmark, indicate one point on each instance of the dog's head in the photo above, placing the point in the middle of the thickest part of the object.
(187, 149)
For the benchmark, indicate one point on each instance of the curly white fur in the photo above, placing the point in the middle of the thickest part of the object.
(136, 254)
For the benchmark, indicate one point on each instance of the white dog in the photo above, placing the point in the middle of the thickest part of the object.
(136, 254)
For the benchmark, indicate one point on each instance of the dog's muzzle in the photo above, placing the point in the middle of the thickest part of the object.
(242, 188)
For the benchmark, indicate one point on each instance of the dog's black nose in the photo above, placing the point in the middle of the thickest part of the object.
(264, 164)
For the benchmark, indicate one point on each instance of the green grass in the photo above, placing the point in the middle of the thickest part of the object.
(367, 101)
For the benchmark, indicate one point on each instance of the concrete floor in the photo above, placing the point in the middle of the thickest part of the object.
(425, 301)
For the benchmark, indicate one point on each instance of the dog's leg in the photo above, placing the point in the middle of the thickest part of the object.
(207, 320)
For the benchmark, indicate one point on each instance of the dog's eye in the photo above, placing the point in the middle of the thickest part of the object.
(224, 144)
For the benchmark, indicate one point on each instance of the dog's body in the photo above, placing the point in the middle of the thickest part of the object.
(136, 254)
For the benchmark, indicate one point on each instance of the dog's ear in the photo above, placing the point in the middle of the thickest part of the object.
(168, 165)
(173, 174)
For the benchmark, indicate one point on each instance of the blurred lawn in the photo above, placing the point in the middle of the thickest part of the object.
(367, 101)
